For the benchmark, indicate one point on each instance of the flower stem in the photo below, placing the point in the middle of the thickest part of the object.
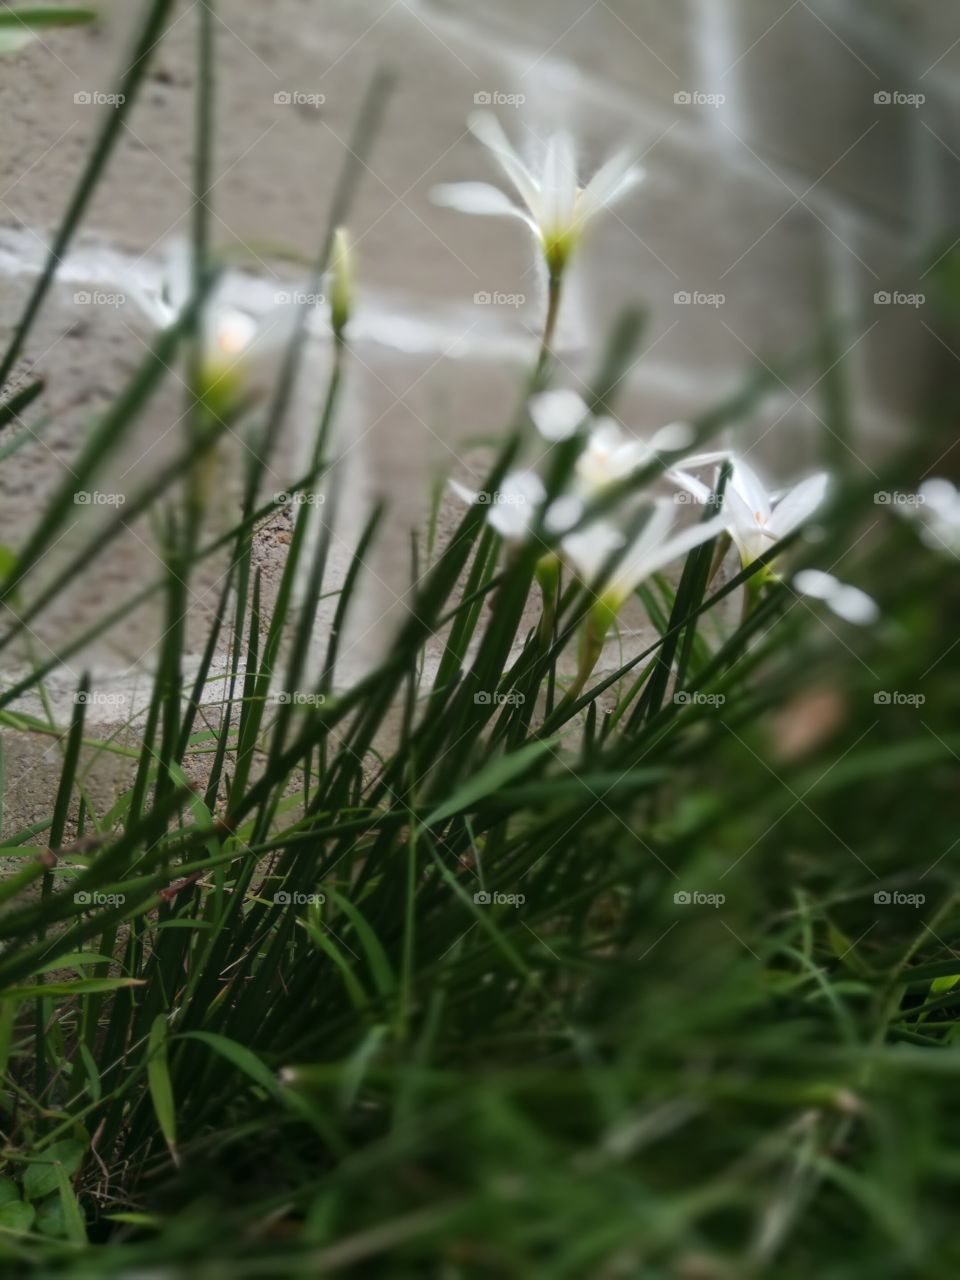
(553, 311)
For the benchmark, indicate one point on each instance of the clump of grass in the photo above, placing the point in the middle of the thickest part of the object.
(499, 974)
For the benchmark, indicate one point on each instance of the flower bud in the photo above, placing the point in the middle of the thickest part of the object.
(341, 282)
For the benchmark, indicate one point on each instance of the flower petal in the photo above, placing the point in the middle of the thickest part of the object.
(674, 436)
(748, 486)
(815, 583)
(557, 414)
(563, 514)
(612, 180)
(589, 550)
(480, 198)
(469, 496)
(683, 542)
(853, 605)
(697, 488)
(486, 128)
(558, 190)
(799, 503)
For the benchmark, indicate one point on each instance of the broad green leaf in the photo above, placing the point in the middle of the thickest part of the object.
(50, 1218)
(41, 1175)
(16, 1216)
(8, 1190)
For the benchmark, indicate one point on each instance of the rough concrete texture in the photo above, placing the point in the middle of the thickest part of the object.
(798, 194)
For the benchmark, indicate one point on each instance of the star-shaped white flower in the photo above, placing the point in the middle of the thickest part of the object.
(608, 454)
(590, 550)
(230, 339)
(554, 206)
(755, 519)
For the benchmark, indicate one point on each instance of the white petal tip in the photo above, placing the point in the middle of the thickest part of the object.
(557, 414)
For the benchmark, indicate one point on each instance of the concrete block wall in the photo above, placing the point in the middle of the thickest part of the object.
(798, 192)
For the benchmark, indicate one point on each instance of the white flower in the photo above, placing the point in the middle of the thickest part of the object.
(755, 519)
(555, 207)
(513, 508)
(589, 550)
(230, 338)
(557, 414)
(938, 511)
(849, 603)
(609, 454)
